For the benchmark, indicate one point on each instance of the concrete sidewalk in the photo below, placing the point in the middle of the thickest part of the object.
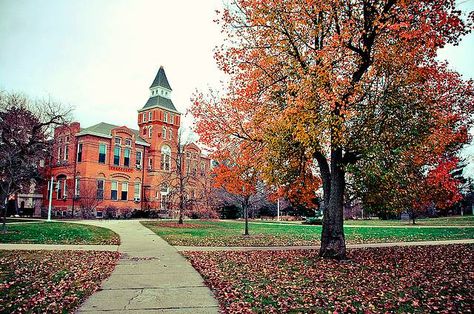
(151, 277)
(316, 247)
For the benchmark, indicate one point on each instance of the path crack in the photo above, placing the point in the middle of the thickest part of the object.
(140, 292)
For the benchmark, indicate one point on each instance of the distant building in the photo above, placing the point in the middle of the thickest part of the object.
(105, 168)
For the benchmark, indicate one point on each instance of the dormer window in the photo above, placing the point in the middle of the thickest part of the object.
(128, 142)
(118, 140)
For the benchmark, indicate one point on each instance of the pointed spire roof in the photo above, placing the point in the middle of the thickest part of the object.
(161, 80)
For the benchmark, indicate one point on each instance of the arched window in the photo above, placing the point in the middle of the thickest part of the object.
(165, 158)
(61, 187)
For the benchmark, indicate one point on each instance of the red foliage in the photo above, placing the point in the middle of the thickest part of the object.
(236, 179)
(442, 187)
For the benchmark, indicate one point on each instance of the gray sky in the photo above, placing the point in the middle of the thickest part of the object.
(100, 56)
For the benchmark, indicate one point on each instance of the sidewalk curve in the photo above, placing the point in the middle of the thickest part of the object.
(151, 277)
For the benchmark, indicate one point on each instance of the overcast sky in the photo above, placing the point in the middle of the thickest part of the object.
(100, 56)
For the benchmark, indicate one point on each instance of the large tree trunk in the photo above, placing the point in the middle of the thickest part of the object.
(333, 243)
(181, 209)
(246, 216)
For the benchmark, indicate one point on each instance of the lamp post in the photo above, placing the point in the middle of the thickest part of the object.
(50, 198)
(278, 209)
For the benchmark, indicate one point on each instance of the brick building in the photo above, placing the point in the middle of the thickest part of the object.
(108, 169)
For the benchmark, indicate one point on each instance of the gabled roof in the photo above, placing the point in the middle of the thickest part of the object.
(105, 130)
(161, 80)
(162, 102)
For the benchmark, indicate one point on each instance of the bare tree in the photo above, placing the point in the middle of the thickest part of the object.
(187, 187)
(25, 140)
(89, 198)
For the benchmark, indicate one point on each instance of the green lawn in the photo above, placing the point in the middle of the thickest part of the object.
(58, 233)
(229, 233)
(442, 221)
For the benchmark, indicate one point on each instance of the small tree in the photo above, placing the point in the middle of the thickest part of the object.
(240, 181)
(25, 132)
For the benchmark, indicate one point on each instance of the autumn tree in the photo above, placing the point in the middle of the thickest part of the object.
(342, 81)
(25, 132)
(238, 177)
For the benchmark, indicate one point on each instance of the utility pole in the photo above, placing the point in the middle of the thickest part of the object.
(278, 209)
(50, 199)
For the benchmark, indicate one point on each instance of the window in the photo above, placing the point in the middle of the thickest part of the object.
(128, 142)
(60, 140)
(118, 141)
(138, 158)
(164, 196)
(166, 117)
(61, 188)
(60, 150)
(66, 139)
(171, 118)
(102, 153)
(113, 191)
(79, 152)
(164, 188)
(137, 190)
(150, 131)
(66, 152)
(116, 156)
(144, 117)
(188, 163)
(170, 133)
(126, 157)
(124, 195)
(58, 190)
(164, 133)
(77, 188)
(100, 189)
(165, 158)
(150, 115)
(203, 168)
(150, 163)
